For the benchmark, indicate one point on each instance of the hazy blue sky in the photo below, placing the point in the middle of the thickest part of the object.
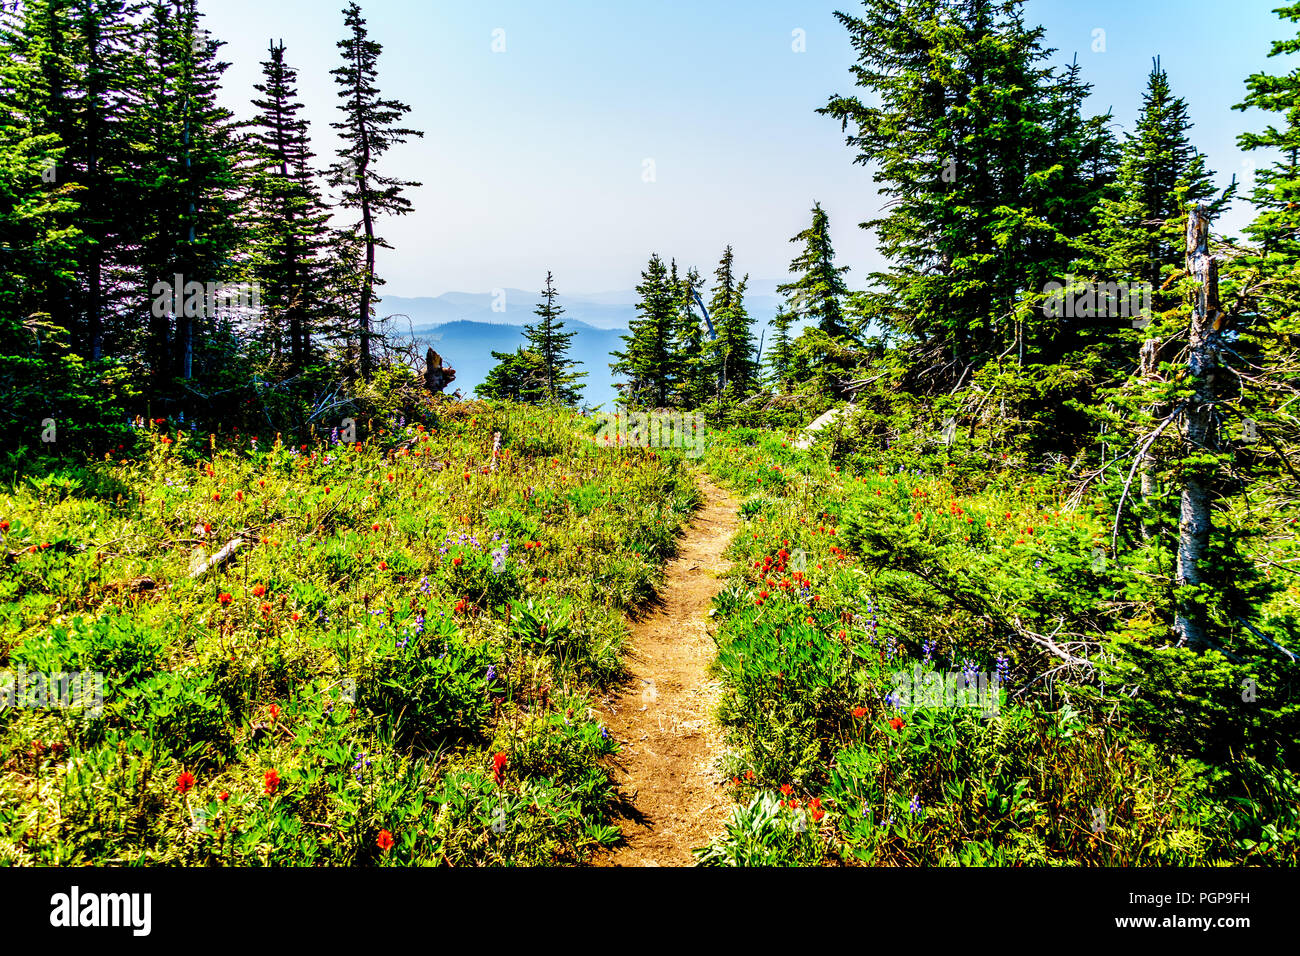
(533, 158)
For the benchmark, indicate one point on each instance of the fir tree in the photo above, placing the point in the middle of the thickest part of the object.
(293, 230)
(780, 358)
(192, 225)
(368, 132)
(973, 175)
(693, 361)
(550, 343)
(518, 376)
(648, 359)
(819, 292)
(1276, 192)
(1140, 236)
(733, 349)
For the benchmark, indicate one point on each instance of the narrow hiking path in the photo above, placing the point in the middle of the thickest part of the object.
(663, 716)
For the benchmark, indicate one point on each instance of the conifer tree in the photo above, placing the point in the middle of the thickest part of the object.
(974, 177)
(103, 161)
(648, 359)
(693, 361)
(191, 196)
(1276, 192)
(1140, 235)
(733, 349)
(518, 376)
(780, 358)
(550, 343)
(819, 292)
(368, 131)
(292, 221)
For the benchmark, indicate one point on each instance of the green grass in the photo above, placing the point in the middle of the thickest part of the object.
(357, 668)
(851, 573)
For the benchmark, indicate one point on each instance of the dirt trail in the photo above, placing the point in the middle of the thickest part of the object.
(663, 717)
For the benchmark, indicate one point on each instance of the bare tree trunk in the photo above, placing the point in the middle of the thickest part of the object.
(1199, 433)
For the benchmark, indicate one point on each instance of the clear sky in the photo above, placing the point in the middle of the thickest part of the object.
(535, 158)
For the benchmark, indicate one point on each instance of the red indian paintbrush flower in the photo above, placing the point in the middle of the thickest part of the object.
(184, 782)
(385, 840)
(270, 782)
(499, 768)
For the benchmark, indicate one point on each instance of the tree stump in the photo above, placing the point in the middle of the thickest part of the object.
(436, 375)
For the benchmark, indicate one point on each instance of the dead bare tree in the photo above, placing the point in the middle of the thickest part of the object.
(1199, 429)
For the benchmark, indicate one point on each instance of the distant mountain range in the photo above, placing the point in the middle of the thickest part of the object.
(602, 310)
(468, 346)
(465, 328)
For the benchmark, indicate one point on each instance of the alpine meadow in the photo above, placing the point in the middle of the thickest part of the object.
(893, 463)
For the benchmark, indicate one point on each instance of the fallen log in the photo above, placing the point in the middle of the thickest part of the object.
(227, 552)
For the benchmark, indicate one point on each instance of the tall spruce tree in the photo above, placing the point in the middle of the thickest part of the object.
(1276, 193)
(549, 342)
(368, 131)
(103, 161)
(36, 250)
(733, 349)
(693, 361)
(192, 227)
(780, 357)
(1140, 234)
(292, 222)
(648, 359)
(973, 173)
(819, 292)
